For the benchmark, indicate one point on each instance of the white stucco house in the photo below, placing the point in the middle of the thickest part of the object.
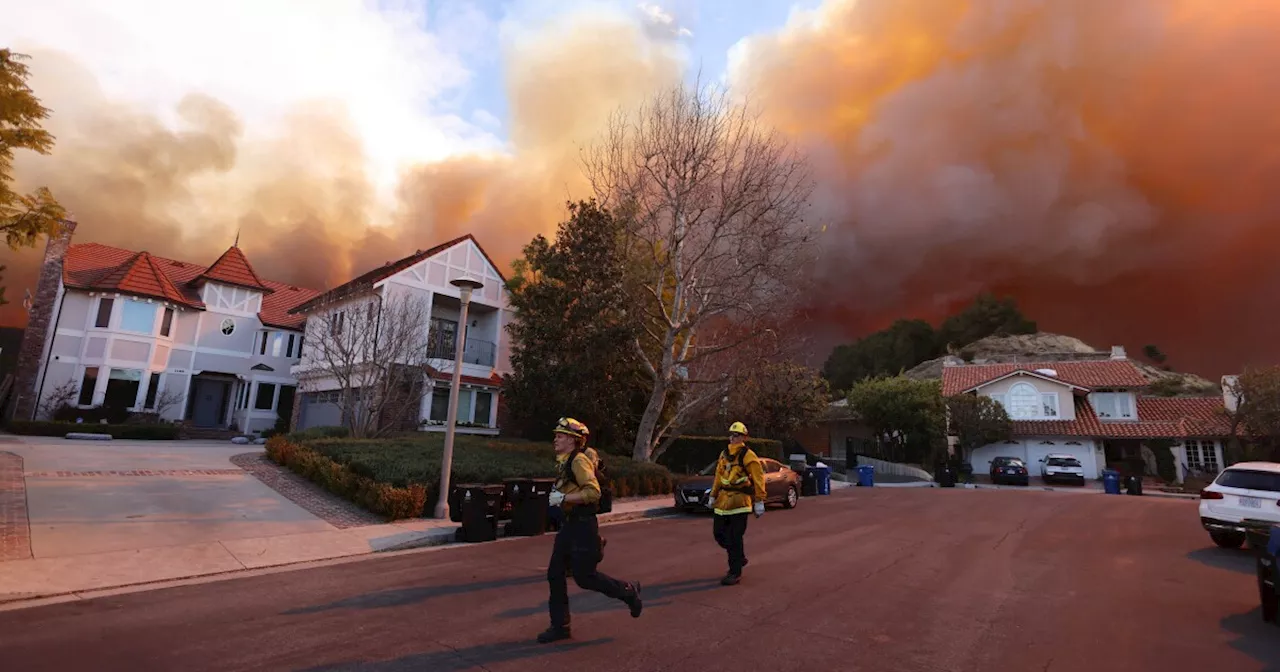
(127, 329)
(1094, 410)
(424, 276)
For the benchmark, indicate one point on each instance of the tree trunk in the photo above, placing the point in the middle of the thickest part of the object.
(643, 447)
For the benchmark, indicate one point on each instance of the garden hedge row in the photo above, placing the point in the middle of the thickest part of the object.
(690, 454)
(136, 432)
(381, 498)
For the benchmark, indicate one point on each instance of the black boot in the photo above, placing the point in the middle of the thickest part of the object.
(554, 634)
(730, 579)
(633, 600)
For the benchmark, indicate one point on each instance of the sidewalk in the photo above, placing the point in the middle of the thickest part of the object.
(36, 578)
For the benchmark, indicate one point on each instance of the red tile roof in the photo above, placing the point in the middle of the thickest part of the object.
(1158, 418)
(1118, 373)
(494, 380)
(233, 268)
(92, 266)
(365, 282)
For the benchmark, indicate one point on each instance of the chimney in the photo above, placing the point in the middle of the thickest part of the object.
(1117, 352)
(38, 335)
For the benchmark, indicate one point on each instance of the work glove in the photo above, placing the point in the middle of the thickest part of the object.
(759, 509)
(711, 501)
(556, 498)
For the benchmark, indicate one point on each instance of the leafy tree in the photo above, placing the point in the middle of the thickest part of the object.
(888, 352)
(1257, 413)
(776, 399)
(905, 416)
(572, 338)
(986, 316)
(23, 217)
(977, 421)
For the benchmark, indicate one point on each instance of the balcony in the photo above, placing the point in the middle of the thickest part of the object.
(475, 351)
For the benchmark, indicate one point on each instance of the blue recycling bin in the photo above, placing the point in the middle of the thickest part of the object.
(824, 480)
(866, 475)
(1111, 481)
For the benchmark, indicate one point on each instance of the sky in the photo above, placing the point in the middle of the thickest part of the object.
(1106, 164)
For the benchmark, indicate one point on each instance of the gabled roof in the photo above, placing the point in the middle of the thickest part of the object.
(1158, 418)
(364, 283)
(232, 268)
(1117, 373)
(96, 267)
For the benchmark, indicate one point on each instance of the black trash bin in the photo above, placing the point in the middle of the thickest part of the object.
(478, 509)
(809, 483)
(946, 476)
(528, 498)
(1133, 485)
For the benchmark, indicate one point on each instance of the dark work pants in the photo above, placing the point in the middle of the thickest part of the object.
(729, 532)
(577, 546)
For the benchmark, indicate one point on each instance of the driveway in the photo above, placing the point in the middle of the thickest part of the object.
(879, 580)
(99, 496)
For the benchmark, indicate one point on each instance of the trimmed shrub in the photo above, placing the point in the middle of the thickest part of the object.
(690, 454)
(134, 432)
(381, 498)
(313, 433)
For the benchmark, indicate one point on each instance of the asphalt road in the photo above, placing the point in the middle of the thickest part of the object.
(868, 579)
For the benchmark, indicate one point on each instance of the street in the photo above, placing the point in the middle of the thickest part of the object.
(868, 579)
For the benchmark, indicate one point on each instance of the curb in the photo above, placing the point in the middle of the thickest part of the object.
(985, 486)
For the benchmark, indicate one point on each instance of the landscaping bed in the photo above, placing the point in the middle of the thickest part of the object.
(156, 432)
(397, 477)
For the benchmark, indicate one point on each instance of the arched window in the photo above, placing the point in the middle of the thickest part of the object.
(1024, 401)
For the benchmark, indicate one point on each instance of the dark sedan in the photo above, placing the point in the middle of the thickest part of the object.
(781, 484)
(1010, 470)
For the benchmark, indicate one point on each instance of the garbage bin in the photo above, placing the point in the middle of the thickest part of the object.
(866, 475)
(946, 477)
(823, 476)
(479, 506)
(809, 482)
(1111, 481)
(528, 498)
(1266, 546)
(1133, 485)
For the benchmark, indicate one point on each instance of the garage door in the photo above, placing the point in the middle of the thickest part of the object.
(316, 411)
(981, 458)
(1037, 450)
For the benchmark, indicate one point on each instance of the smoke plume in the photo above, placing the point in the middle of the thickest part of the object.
(1109, 164)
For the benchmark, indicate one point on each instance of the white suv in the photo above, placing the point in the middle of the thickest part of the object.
(1061, 467)
(1244, 495)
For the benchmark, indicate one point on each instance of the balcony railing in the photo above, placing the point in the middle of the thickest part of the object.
(475, 351)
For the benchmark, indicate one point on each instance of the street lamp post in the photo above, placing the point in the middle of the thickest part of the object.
(466, 285)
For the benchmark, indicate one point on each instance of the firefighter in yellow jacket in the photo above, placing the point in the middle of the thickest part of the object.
(577, 544)
(738, 491)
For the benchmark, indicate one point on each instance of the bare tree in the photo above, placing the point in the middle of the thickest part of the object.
(57, 398)
(713, 203)
(166, 400)
(372, 355)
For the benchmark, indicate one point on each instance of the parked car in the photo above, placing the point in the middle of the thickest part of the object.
(781, 484)
(1061, 468)
(1010, 470)
(1244, 495)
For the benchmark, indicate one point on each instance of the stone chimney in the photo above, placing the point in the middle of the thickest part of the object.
(1117, 352)
(39, 332)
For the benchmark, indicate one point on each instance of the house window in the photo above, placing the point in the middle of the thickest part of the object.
(262, 342)
(484, 403)
(1024, 401)
(1049, 403)
(439, 405)
(266, 398)
(277, 344)
(300, 336)
(289, 350)
(1202, 456)
(1112, 405)
(441, 338)
(166, 322)
(464, 405)
(87, 383)
(152, 388)
(138, 317)
(228, 327)
(338, 323)
(103, 320)
(122, 388)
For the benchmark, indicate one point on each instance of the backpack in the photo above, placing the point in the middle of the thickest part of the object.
(605, 505)
(741, 460)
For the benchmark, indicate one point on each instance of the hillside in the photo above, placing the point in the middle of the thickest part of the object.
(1046, 347)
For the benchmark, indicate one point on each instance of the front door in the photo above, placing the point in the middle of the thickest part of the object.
(211, 397)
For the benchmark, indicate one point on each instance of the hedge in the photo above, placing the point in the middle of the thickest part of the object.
(691, 454)
(415, 460)
(381, 498)
(136, 432)
(313, 433)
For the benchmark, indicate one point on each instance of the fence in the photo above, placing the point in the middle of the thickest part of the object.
(895, 469)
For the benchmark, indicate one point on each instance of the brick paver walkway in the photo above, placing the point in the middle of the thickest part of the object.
(15, 531)
(137, 472)
(328, 507)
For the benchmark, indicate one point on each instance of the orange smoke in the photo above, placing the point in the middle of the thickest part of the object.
(1110, 164)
